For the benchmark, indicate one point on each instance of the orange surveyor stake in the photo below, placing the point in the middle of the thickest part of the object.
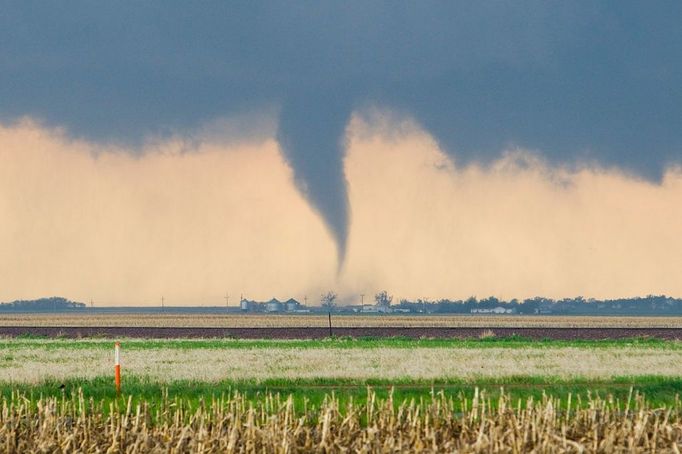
(117, 367)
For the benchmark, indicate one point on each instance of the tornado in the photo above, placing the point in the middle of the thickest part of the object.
(312, 135)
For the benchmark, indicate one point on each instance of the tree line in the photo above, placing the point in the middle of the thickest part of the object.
(52, 304)
(650, 304)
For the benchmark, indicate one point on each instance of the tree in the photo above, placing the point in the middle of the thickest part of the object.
(383, 298)
(329, 300)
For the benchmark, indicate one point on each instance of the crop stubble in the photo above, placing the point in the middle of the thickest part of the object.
(443, 424)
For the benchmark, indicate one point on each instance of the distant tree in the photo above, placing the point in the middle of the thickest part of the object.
(383, 298)
(52, 304)
(328, 300)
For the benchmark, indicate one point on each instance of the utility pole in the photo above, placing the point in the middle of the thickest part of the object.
(227, 301)
(362, 299)
(162, 304)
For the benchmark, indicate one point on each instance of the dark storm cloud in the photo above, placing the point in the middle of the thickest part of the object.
(595, 81)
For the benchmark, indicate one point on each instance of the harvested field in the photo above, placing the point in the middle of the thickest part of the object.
(442, 424)
(341, 321)
(33, 361)
(357, 332)
(250, 326)
(332, 399)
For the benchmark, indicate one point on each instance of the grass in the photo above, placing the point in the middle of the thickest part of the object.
(214, 360)
(310, 369)
(334, 343)
(397, 394)
(659, 391)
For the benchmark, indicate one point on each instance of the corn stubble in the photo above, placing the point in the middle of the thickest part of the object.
(272, 424)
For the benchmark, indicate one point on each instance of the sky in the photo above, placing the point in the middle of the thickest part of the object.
(435, 149)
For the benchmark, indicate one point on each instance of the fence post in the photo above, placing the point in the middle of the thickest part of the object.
(117, 367)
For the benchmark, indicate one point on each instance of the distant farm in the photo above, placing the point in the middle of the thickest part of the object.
(382, 304)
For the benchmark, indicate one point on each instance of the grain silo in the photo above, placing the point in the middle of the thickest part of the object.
(273, 306)
(292, 305)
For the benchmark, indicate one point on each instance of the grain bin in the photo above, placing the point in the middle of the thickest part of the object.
(273, 306)
(292, 305)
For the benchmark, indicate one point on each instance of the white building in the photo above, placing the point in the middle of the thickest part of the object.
(376, 309)
(494, 310)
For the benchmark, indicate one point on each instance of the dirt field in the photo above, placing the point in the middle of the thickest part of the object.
(320, 321)
(316, 326)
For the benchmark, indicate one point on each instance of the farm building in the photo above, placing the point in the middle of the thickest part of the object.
(376, 309)
(493, 310)
(292, 305)
(274, 305)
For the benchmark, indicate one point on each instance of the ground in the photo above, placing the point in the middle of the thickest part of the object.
(478, 393)
(349, 365)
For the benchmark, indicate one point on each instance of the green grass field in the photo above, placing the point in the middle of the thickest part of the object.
(658, 391)
(334, 342)
(84, 358)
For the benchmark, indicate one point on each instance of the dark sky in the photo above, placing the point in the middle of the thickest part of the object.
(575, 81)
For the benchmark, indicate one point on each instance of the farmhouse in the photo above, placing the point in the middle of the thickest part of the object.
(493, 310)
(376, 309)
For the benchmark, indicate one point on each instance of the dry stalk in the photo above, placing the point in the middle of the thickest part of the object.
(271, 424)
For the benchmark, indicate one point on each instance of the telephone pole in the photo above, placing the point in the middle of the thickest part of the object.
(227, 300)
